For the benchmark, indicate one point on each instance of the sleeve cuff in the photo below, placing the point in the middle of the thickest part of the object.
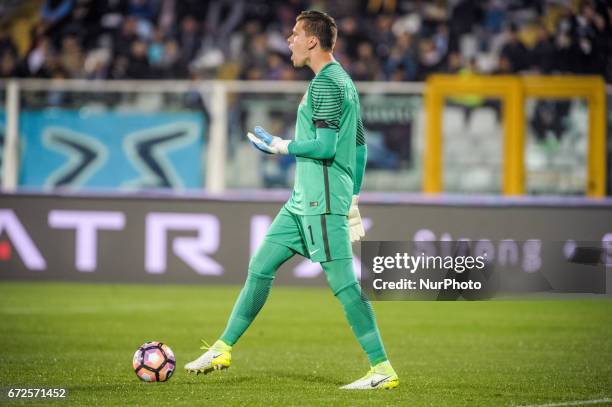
(283, 146)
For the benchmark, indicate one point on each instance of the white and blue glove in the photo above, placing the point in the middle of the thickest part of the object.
(269, 144)
(356, 229)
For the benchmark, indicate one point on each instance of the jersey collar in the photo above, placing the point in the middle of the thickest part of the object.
(326, 65)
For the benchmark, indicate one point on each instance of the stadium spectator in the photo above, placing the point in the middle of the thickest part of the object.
(543, 53)
(465, 16)
(138, 63)
(189, 39)
(402, 63)
(8, 56)
(351, 35)
(155, 51)
(588, 28)
(37, 58)
(124, 37)
(96, 64)
(515, 51)
(383, 38)
(171, 64)
(8, 65)
(403, 40)
(430, 58)
(7, 44)
(367, 65)
(71, 58)
(119, 68)
(82, 24)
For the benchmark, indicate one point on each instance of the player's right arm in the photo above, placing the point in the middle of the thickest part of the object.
(322, 147)
(326, 100)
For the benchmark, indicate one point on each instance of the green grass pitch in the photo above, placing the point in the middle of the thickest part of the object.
(300, 349)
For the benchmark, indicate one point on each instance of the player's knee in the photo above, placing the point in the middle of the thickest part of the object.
(349, 290)
(340, 275)
(259, 268)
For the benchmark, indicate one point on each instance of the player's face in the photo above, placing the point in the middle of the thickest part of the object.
(300, 45)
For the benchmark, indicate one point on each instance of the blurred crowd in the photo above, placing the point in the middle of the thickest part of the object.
(390, 40)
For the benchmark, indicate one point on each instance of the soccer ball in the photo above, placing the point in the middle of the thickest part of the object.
(154, 362)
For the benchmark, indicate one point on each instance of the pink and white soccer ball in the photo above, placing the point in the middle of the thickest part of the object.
(154, 362)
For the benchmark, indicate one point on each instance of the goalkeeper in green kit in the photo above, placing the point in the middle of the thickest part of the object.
(321, 218)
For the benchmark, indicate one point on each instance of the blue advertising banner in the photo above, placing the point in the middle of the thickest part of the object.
(111, 150)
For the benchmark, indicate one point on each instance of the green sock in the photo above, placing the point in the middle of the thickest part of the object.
(250, 301)
(357, 308)
(262, 270)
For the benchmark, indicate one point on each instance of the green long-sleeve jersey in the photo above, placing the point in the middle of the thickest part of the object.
(329, 145)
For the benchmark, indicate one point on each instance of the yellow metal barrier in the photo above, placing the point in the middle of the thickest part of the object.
(512, 91)
(591, 88)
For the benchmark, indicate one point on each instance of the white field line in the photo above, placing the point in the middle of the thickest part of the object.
(570, 403)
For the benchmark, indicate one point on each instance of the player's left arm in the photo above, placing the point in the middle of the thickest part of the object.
(361, 157)
(356, 229)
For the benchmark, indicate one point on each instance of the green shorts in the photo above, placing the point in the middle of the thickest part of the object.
(317, 237)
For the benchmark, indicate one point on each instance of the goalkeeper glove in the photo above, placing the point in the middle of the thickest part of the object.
(354, 219)
(269, 144)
